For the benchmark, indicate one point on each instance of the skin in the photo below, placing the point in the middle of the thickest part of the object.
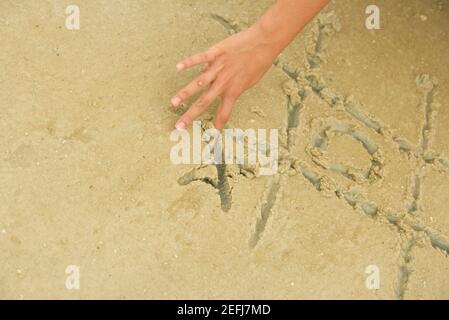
(235, 64)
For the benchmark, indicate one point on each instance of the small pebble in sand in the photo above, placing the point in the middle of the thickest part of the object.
(257, 110)
(423, 17)
(3, 231)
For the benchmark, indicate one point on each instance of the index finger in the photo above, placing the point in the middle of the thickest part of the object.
(198, 58)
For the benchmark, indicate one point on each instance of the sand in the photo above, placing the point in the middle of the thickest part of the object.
(86, 178)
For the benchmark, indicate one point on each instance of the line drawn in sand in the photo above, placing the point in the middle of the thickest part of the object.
(307, 80)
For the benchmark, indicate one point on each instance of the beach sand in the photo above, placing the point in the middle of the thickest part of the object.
(87, 181)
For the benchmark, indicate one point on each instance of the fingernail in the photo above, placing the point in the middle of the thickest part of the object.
(175, 101)
(180, 66)
(180, 125)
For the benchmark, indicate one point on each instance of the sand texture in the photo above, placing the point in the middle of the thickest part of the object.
(86, 177)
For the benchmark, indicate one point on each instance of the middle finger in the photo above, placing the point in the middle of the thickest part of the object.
(197, 85)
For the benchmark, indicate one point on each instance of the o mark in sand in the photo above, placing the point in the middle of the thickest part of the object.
(72, 21)
(329, 127)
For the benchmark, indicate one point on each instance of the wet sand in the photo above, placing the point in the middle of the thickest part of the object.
(86, 177)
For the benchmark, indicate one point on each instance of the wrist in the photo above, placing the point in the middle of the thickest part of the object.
(266, 46)
(273, 30)
(269, 37)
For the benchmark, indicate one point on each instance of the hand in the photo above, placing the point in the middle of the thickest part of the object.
(230, 68)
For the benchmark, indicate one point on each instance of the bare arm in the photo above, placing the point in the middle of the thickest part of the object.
(235, 64)
(282, 22)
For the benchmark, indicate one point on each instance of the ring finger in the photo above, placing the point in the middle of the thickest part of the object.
(197, 85)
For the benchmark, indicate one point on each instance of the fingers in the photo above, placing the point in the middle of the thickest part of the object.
(224, 112)
(198, 58)
(206, 66)
(201, 82)
(199, 106)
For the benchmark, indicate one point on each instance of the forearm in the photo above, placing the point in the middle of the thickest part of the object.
(284, 20)
(240, 61)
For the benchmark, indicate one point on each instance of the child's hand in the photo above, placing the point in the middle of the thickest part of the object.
(237, 63)
(230, 67)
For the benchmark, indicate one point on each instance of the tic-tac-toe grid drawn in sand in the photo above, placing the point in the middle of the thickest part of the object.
(351, 184)
(86, 176)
